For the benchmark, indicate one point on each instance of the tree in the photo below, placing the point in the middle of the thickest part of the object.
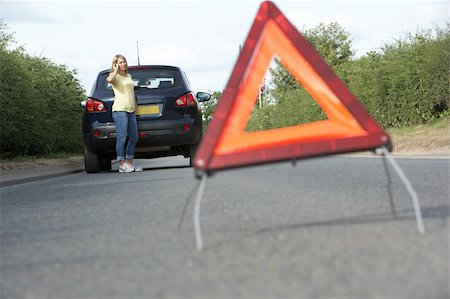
(5, 38)
(331, 41)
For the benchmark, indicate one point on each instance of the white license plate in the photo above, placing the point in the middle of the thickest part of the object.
(148, 109)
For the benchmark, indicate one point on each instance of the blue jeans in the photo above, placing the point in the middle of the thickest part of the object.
(126, 125)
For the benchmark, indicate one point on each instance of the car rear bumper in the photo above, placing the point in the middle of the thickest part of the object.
(152, 135)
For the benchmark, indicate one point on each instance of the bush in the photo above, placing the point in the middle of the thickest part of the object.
(297, 107)
(39, 104)
(407, 83)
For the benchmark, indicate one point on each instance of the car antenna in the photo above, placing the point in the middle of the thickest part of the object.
(137, 47)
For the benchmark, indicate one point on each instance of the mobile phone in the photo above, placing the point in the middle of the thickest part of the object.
(116, 65)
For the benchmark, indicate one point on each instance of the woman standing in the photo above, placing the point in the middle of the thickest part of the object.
(124, 113)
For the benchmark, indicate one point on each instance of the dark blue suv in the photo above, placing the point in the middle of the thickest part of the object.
(168, 116)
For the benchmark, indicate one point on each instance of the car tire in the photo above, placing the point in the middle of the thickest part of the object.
(192, 152)
(105, 164)
(91, 161)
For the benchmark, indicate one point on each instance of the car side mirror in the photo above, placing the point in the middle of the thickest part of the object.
(203, 96)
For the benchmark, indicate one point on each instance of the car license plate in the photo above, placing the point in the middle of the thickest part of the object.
(148, 109)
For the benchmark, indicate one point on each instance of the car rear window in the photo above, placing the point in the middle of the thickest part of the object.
(149, 78)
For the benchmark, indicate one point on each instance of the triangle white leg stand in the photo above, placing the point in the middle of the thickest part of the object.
(198, 201)
(383, 150)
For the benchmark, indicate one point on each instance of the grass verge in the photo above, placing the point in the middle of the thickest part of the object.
(56, 159)
(432, 138)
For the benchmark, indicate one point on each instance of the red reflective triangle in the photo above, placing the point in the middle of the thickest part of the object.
(348, 127)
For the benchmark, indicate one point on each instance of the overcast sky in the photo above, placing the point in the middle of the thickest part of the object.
(202, 37)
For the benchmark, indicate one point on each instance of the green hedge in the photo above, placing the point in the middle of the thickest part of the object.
(408, 82)
(39, 104)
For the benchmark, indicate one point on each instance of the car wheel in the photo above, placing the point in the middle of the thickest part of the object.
(192, 152)
(105, 164)
(91, 161)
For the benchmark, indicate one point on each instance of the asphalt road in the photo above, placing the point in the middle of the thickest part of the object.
(333, 227)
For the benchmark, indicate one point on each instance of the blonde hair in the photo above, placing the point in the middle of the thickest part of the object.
(114, 61)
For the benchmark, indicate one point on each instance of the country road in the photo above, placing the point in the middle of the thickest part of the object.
(333, 227)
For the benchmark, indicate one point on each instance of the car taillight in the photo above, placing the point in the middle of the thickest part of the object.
(95, 106)
(185, 100)
(96, 133)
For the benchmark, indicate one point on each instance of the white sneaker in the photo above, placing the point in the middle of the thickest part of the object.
(125, 168)
(136, 168)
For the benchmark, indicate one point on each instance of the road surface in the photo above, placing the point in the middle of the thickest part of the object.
(333, 227)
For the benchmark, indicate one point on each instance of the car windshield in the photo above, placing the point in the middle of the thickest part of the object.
(148, 78)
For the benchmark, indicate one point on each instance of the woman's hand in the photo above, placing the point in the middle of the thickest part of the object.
(112, 76)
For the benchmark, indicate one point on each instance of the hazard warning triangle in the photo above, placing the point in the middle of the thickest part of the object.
(348, 126)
